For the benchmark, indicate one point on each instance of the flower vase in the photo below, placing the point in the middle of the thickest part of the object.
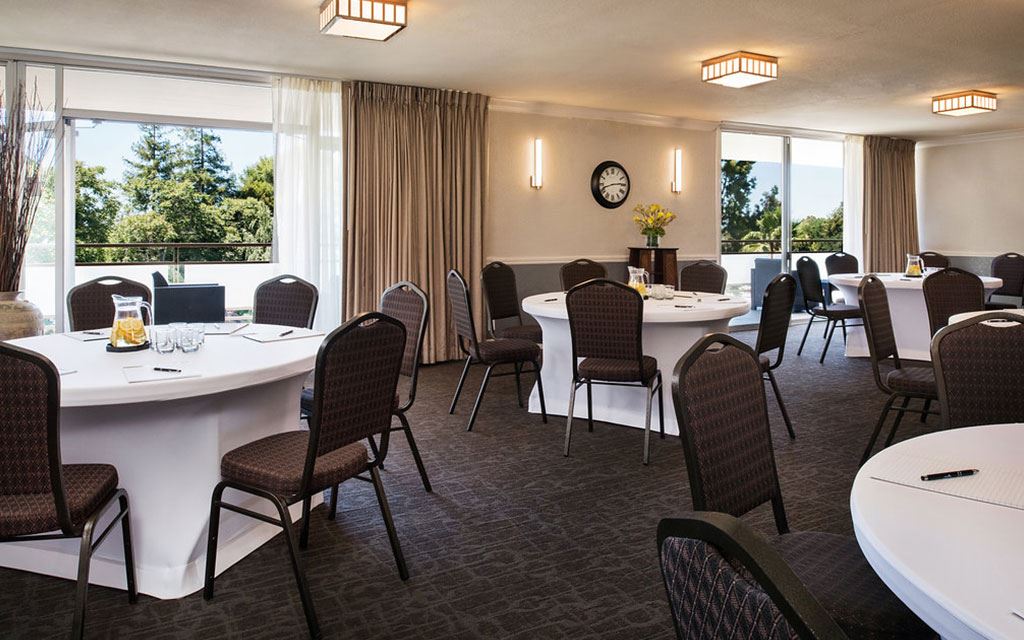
(653, 241)
(19, 318)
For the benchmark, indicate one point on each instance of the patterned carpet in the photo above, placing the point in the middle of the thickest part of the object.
(515, 542)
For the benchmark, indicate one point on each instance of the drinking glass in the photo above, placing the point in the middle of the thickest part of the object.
(176, 328)
(200, 331)
(163, 339)
(188, 340)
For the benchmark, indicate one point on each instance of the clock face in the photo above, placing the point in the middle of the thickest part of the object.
(610, 184)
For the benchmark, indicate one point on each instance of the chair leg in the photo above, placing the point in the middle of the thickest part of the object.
(300, 575)
(878, 429)
(927, 408)
(385, 512)
(333, 509)
(479, 397)
(458, 389)
(82, 588)
(540, 392)
(415, 451)
(896, 423)
(568, 419)
(304, 532)
(211, 540)
(129, 553)
(590, 407)
(647, 426)
(373, 448)
(519, 385)
(806, 331)
(661, 406)
(782, 405)
(828, 341)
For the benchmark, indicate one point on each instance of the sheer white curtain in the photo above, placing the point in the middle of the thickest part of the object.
(853, 197)
(308, 179)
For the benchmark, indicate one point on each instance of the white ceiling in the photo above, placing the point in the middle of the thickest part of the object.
(857, 66)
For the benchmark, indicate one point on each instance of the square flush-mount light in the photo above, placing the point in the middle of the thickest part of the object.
(740, 69)
(366, 19)
(964, 103)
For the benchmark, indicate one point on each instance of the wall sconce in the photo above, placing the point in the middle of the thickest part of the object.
(677, 171)
(537, 177)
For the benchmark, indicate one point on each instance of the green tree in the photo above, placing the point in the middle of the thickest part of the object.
(96, 210)
(258, 182)
(827, 232)
(737, 187)
(155, 160)
(201, 162)
(247, 220)
(140, 227)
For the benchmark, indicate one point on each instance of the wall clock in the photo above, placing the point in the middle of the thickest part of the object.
(610, 184)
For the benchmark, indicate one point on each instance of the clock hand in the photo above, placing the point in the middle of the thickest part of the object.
(616, 184)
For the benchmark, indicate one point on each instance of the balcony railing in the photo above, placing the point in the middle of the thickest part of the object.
(799, 245)
(174, 253)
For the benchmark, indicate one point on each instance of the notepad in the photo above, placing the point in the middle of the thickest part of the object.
(294, 334)
(89, 336)
(224, 328)
(140, 373)
(1002, 486)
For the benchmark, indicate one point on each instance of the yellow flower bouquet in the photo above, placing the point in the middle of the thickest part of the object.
(652, 220)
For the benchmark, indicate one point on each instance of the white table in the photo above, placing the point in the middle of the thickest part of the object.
(907, 308)
(668, 332)
(957, 563)
(166, 439)
(959, 317)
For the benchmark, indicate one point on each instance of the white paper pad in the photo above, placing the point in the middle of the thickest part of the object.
(1002, 486)
(65, 370)
(275, 336)
(224, 328)
(89, 336)
(139, 373)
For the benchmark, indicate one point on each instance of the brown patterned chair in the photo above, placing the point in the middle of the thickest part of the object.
(840, 262)
(723, 416)
(502, 298)
(899, 382)
(725, 582)
(818, 307)
(934, 260)
(606, 328)
(1008, 267)
(703, 275)
(772, 331)
(40, 497)
(493, 353)
(949, 292)
(579, 271)
(285, 300)
(979, 368)
(90, 306)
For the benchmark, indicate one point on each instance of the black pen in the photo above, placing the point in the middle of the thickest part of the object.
(166, 370)
(684, 306)
(945, 475)
(93, 333)
(724, 299)
(551, 300)
(284, 333)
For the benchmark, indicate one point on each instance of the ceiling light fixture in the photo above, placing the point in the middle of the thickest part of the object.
(740, 69)
(964, 103)
(366, 19)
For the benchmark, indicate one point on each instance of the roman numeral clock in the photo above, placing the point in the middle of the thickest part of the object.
(610, 184)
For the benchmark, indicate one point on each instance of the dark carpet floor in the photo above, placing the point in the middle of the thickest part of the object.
(515, 542)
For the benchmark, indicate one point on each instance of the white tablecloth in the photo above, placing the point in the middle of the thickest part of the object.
(907, 308)
(668, 332)
(166, 439)
(957, 563)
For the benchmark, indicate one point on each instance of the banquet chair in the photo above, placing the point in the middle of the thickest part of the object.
(90, 306)
(581, 270)
(724, 581)
(499, 283)
(933, 260)
(494, 352)
(606, 330)
(1008, 267)
(772, 331)
(949, 292)
(979, 368)
(285, 300)
(41, 498)
(840, 262)
(817, 305)
(357, 371)
(703, 275)
(723, 416)
(899, 382)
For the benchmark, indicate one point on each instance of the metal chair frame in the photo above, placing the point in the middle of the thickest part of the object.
(810, 309)
(783, 279)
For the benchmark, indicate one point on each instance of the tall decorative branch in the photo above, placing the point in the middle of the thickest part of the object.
(25, 139)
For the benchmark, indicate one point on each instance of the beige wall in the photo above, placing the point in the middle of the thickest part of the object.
(970, 197)
(562, 220)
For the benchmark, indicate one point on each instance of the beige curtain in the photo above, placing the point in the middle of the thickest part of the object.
(416, 179)
(890, 203)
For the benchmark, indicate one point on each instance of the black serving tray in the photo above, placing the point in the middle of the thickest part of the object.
(142, 347)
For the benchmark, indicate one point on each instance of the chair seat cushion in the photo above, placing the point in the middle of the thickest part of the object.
(275, 463)
(838, 312)
(614, 370)
(508, 350)
(915, 380)
(834, 570)
(86, 486)
(529, 332)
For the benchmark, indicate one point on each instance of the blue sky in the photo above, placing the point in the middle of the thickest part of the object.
(815, 190)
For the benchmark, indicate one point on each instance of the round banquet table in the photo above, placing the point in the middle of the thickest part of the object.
(668, 332)
(907, 308)
(956, 561)
(166, 439)
(970, 314)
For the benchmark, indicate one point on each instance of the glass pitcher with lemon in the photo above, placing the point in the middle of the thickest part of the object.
(129, 330)
(639, 280)
(915, 266)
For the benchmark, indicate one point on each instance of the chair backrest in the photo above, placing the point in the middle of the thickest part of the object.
(499, 283)
(408, 304)
(723, 581)
(462, 312)
(776, 312)
(581, 270)
(932, 259)
(723, 417)
(949, 292)
(979, 368)
(703, 275)
(841, 262)
(357, 371)
(30, 457)
(605, 321)
(285, 300)
(159, 280)
(1009, 267)
(90, 305)
(874, 306)
(810, 283)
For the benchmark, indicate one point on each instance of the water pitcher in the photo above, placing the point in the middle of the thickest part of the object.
(129, 329)
(639, 280)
